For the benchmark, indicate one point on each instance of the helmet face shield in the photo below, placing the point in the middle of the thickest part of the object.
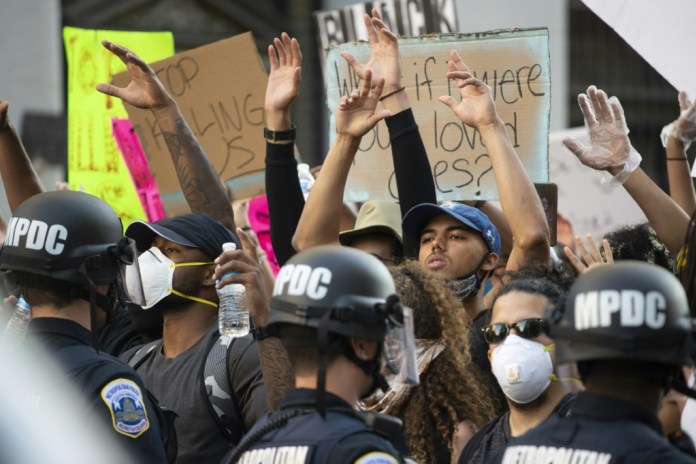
(129, 276)
(399, 352)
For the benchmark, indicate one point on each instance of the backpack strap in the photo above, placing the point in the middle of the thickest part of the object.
(143, 353)
(222, 402)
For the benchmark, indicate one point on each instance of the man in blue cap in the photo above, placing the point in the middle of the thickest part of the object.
(457, 242)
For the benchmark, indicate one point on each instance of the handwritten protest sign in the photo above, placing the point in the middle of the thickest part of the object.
(220, 90)
(515, 64)
(129, 145)
(94, 160)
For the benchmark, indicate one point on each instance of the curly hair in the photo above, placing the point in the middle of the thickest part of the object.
(450, 390)
(639, 242)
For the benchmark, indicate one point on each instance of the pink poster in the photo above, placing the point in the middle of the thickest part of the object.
(135, 159)
(258, 219)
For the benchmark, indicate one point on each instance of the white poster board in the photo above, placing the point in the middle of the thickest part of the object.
(661, 32)
(593, 208)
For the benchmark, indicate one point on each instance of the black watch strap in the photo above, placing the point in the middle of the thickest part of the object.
(259, 333)
(273, 136)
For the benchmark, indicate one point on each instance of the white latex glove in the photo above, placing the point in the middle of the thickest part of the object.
(684, 128)
(610, 146)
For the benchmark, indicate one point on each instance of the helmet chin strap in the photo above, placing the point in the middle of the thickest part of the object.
(371, 368)
(92, 305)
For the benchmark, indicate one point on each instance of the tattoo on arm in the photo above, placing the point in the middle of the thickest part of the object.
(199, 181)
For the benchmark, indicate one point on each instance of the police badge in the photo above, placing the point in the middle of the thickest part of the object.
(127, 407)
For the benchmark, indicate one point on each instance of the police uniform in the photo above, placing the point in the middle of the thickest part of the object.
(306, 437)
(599, 429)
(495, 435)
(114, 393)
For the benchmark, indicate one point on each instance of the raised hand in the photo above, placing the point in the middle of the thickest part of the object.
(284, 79)
(684, 128)
(145, 90)
(384, 57)
(610, 147)
(356, 113)
(590, 258)
(476, 107)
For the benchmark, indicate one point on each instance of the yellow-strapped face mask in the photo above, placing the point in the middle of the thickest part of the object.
(157, 275)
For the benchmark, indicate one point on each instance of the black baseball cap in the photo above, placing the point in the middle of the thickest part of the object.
(196, 230)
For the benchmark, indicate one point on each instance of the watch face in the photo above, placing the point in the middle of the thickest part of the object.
(279, 135)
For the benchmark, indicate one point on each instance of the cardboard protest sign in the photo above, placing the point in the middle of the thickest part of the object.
(129, 145)
(220, 90)
(94, 160)
(515, 64)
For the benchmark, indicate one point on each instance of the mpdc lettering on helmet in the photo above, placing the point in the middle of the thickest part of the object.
(632, 307)
(39, 235)
(300, 279)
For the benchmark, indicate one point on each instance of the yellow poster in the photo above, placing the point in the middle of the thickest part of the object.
(94, 161)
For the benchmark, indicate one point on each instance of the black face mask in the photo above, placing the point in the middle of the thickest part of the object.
(467, 286)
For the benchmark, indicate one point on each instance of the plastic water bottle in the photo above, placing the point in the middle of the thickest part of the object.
(233, 317)
(17, 326)
(306, 178)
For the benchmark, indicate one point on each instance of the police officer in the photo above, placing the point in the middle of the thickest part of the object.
(66, 251)
(331, 307)
(627, 326)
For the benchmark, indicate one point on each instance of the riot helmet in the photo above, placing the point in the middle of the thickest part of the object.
(67, 241)
(343, 292)
(630, 310)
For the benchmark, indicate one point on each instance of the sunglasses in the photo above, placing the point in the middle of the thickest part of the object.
(526, 328)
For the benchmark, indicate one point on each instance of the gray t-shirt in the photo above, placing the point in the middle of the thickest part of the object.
(177, 384)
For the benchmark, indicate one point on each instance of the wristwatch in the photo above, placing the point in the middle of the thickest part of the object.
(259, 333)
(273, 136)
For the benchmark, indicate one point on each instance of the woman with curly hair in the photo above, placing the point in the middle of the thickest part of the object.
(450, 395)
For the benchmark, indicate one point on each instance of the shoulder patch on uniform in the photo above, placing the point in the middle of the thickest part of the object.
(377, 457)
(125, 402)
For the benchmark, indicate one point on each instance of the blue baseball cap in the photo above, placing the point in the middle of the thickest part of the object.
(417, 218)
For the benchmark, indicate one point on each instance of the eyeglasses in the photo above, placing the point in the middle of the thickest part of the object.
(526, 328)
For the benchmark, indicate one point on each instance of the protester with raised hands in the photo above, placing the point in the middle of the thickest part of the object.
(519, 200)
(197, 177)
(676, 138)
(180, 251)
(610, 150)
(355, 116)
(591, 256)
(412, 168)
(285, 200)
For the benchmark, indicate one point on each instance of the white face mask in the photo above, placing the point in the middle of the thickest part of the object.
(157, 275)
(523, 368)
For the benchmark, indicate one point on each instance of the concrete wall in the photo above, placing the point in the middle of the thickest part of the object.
(31, 72)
